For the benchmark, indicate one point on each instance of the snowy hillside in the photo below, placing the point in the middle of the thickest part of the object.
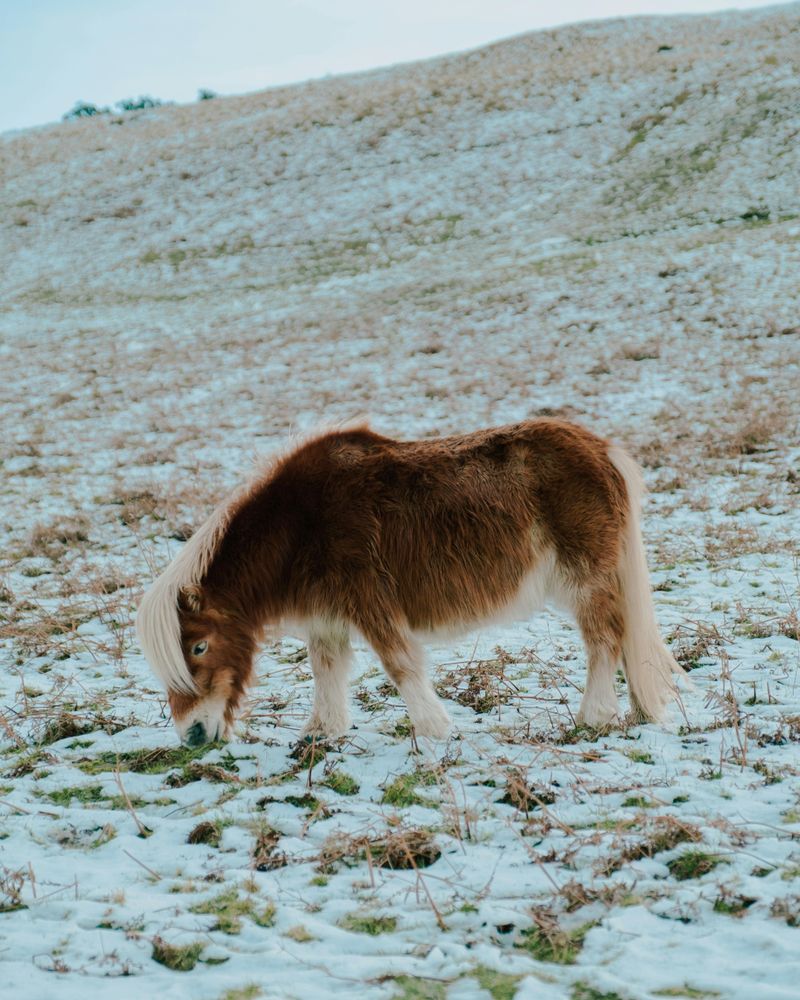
(600, 222)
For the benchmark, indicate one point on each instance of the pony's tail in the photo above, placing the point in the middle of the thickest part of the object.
(649, 665)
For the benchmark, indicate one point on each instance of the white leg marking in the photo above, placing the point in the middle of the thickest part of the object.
(599, 706)
(426, 712)
(329, 652)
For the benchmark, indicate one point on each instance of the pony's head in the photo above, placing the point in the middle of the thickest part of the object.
(199, 648)
(217, 652)
(203, 656)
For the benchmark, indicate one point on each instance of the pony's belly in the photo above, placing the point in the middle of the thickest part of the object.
(539, 587)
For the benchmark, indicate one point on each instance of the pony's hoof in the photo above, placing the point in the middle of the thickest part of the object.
(434, 725)
(317, 729)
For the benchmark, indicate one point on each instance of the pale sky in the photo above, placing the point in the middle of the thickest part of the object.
(55, 52)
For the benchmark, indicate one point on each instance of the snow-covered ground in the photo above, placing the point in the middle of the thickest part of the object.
(601, 222)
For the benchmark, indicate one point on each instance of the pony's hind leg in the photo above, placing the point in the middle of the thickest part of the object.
(329, 652)
(602, 625)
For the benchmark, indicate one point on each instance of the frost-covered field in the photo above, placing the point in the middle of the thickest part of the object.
(601, 222)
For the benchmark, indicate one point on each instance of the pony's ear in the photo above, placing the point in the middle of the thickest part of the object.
(190, 598)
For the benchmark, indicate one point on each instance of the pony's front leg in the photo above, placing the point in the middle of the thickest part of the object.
(406, 667)
(403, 660)
(384, 625)
(329, 652)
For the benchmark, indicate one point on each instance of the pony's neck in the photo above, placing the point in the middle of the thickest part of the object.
(245, 574)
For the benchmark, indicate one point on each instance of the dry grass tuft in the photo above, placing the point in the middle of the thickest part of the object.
(649, 350)
(52, 540)
(481, 685)
(757, 431)
(666, 833)
(179, 958)
(787, 909)
(11, 884)
(694, 642)
(206, 832)
(523, 796)
(548, 941)
(63, 726)
(402, 848)
(264, 855)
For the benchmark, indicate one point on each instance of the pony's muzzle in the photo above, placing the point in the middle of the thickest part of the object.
(196, 735)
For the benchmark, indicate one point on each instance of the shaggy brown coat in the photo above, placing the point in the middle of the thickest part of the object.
(356, 531)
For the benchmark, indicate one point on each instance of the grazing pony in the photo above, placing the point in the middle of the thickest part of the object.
(355, 532)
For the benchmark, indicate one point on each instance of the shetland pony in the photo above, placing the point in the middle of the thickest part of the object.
(352, 532)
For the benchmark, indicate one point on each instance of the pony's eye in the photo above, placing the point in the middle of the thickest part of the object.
(199, 648)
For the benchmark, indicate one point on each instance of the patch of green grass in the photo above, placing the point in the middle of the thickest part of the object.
(770, 776)
(156, 761)
(300, 934)
(177, 257)
(733, 905)
(611, 823)
(686, 991)
(106, 833)
(229, 908)
(88, 794)
(341, 783)
(365, 923)
(500, 985)
(547, 941)
(638, 136)
(582, 991)
(179, 958)
(308, 753)
(693, 864)
(307, 801)
(248, 992)
(195, 770)
(438, 228)
(83, 793)
(664, 834)
(183, 887)
(417, 988)
(402, 729)
(326, 258)
(402, 791)
(640, 756)
(638, 802)
(28, 762)
(134, 801)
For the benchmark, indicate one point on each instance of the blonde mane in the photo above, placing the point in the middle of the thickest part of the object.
(157, 622)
